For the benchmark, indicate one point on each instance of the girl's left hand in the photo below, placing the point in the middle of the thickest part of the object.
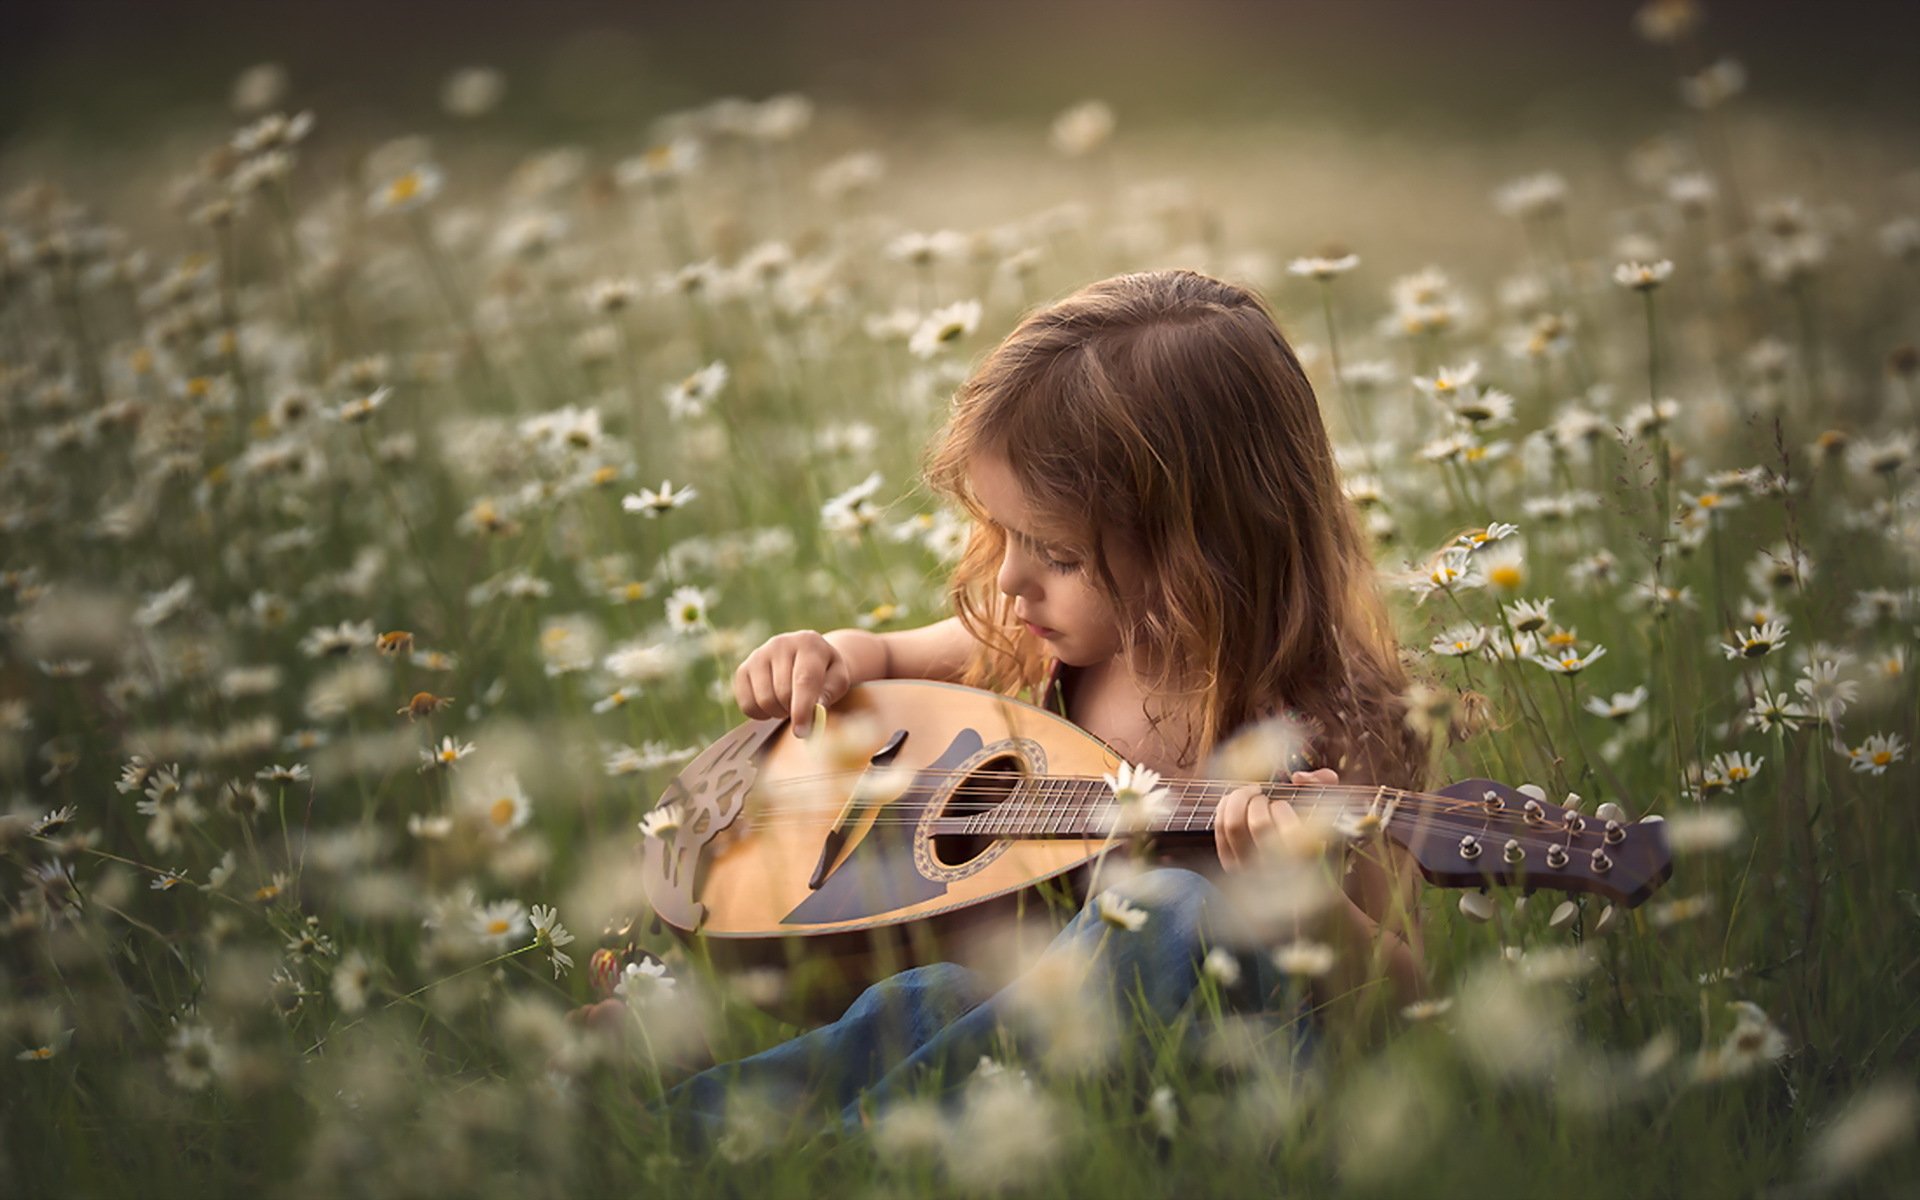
(1248, 819)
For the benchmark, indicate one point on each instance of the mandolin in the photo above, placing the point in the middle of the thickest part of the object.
(927, 808)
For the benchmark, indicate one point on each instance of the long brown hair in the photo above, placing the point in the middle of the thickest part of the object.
(1168, 406)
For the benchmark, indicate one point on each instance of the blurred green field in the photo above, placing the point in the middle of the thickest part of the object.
(347, 627)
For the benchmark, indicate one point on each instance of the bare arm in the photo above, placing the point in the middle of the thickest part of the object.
(791, 672)
(1372, 925)
(938, 651)
(1375, 931)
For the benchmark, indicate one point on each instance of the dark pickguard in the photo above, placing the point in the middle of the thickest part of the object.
(879, 875)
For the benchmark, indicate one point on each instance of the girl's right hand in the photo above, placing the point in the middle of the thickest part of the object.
(788, 675)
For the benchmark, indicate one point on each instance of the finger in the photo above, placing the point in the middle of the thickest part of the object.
(743, 686)
(807, 679)
(1230, 826)
(1260, 822)
(838, 682)
(766, 701)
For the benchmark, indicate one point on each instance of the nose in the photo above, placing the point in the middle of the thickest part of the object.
(1015, 578)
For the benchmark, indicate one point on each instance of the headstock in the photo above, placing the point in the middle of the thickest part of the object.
(1478, 833)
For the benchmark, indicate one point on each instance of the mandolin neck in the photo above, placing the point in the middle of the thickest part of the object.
(1080, 806)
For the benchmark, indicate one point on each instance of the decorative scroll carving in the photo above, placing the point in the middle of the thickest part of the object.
(711, 791)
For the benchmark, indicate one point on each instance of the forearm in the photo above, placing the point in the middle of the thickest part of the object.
(865, 653)
(1374, 929)
(1368, 958)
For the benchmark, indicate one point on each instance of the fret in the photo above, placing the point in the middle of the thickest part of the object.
(1052, 806)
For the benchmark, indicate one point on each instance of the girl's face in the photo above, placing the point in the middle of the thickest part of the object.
(1051, 585)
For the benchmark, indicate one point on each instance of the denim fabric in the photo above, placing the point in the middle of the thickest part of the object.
(935, 1022)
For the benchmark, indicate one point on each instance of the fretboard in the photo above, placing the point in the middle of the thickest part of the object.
(1066, 806)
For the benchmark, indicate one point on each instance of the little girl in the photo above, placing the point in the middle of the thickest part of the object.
(1162, 552)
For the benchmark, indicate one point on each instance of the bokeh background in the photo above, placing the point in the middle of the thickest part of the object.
(298, 425)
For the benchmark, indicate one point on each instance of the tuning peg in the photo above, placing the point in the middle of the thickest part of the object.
(1532, 789)
(1564, 913)
(1652, 819)
(1573, 802)
(1605, 922)
(1611, 812)
(1476, 905)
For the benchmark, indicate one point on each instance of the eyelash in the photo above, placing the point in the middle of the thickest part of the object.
(1059, 566)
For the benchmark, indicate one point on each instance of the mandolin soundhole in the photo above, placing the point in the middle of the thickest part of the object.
(984, 789)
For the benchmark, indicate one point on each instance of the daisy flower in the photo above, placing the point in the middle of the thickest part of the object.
(1730, 769)
(501, 922)
(407, 191)
(1754, 1042)
(1459, 641)
(662, 820)
(1304, 959)
(649, 503)
(1503, 565)
(1138, 798)
(1826, 694)
(643, 982)
(687, 610)
(1323, 269)
(1779, 709)
(549, 932)
(446, 754)
(1643, 277)
(1115, 911)
(1483, 407)
(852, 511)
(1453, 569)
(1497, 531)
(335, 642)
(1526, 616)
(1447, 382)
(194, 1058)
(1877, 753)
(1566, 662)
(691, 397)
(944, 326)
(1620, 706)
(1222, 966)
(499, 802)
(1757, 642)
(361, 410)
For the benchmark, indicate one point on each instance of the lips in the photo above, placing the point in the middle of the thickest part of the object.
(1041, 631)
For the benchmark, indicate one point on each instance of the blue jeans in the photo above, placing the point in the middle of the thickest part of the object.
(935, 1022)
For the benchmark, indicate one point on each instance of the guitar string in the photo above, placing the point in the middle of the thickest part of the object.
(1493, 865)
(1185, 819)
(1404, 799)
(1461, 821)
(955, 826)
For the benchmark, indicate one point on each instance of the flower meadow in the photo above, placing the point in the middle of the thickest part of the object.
(384, 521)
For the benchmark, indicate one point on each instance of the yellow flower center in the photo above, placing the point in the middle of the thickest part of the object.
(502, 811)
(1881, 758)
(1506, 576)
(499, 926)
(404, 188)
(634, 591)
